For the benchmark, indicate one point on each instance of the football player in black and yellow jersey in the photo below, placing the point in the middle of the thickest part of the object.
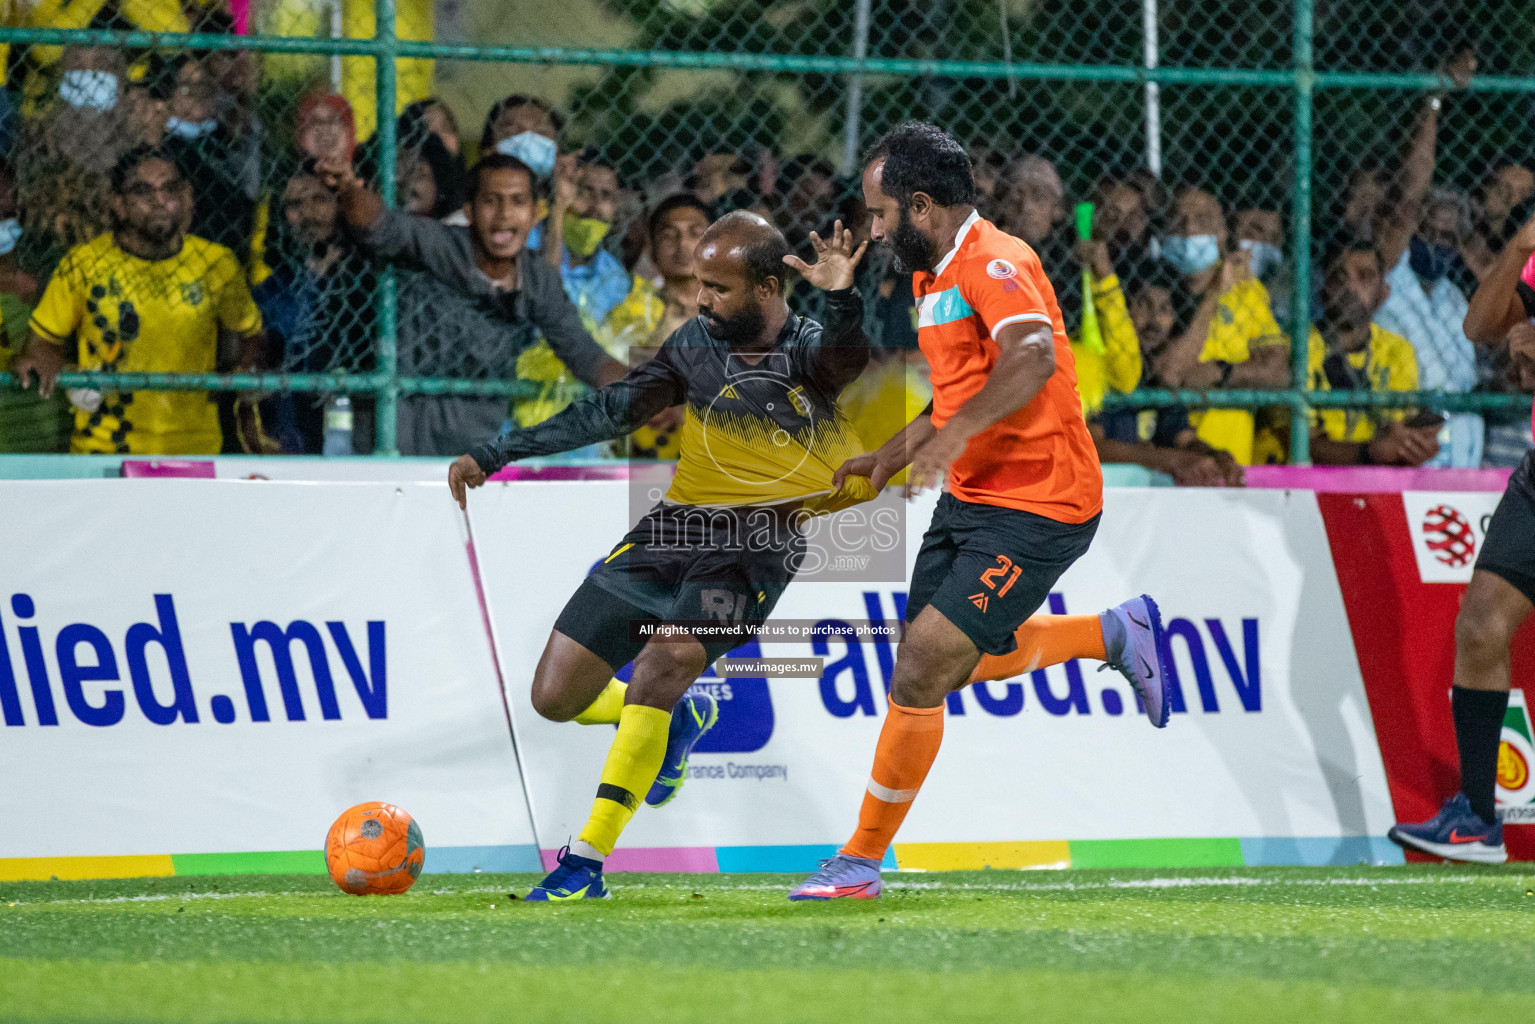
(147, 297)
(761, 438)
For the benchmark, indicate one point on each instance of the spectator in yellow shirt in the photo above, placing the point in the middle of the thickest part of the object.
(1352, 353)
(1118, 366)
(1159, 438)
(145, 298)
(1232, 340)
(649, 314)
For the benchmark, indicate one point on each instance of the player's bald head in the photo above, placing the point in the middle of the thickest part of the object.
(744, 237)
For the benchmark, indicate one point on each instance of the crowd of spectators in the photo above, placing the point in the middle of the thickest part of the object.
(149, 221)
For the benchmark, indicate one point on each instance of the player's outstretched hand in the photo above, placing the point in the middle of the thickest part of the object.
(464, 474)
(834, 260)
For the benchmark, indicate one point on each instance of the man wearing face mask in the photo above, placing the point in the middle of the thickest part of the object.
(594, 278)
(1260, 233)
(585, 203)
(1351, 353)
(1160, 438)
(525, 127)
(213, 159)
(64, 157)
(1232, 340)
(1427, 309)
(471, 300)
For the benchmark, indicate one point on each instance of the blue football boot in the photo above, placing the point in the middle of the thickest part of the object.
(1455, 833)
(841, 877)
(694, 715)
(1137, 650)
(574, 878)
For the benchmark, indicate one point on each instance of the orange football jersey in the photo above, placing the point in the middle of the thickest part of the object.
(1040, 458)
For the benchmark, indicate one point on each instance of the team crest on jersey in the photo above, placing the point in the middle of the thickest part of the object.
(192, 293)
(1001, 270)
(799, 401)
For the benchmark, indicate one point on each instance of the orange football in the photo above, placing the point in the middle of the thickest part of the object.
(374, 849)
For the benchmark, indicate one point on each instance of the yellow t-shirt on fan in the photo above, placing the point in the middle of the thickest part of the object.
(1243, 322)
(129, 315)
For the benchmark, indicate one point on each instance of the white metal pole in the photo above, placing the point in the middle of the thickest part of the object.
(850, 128)
(336, 32)
(1153, 96)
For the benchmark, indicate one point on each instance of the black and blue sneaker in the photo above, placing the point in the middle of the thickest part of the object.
(1455, 833)
(694, 715)
(574, 878)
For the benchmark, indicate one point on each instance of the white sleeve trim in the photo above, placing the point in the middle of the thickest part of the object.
(1018, 318)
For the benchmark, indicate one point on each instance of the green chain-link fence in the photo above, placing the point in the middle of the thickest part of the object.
(1305, 122)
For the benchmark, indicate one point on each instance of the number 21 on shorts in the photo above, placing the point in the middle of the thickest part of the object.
(1004, 567)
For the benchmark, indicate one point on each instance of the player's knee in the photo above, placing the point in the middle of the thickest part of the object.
(1481, 634)
(934, 658)
(673, 661)
(551, 702)
(1490, 614)
(918, 680)
(664, 671)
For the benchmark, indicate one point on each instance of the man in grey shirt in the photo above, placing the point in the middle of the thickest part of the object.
(469, 301)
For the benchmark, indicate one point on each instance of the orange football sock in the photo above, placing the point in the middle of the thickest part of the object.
(908, 743)
(1045, 640)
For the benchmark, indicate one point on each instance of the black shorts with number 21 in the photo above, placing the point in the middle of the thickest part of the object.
(988, 568)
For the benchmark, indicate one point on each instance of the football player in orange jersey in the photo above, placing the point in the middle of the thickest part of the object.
(1005, 437)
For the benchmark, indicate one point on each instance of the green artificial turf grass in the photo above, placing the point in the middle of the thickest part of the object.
(1240, 944)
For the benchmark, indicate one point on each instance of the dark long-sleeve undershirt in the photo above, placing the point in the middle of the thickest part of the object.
(691, 367)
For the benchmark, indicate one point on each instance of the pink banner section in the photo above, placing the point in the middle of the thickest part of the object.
(1374, 479)
(139, 468)
(699, 859)
(613, 471)
(240, 10)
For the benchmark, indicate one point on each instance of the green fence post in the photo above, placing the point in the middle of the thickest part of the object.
(1300, 239)
(386, 415)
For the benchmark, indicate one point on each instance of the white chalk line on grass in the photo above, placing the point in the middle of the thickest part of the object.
(1134, 883)
(894, 883)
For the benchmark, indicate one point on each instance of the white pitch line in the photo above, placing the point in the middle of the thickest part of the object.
(1128, 883)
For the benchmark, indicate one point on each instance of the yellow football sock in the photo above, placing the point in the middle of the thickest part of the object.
(633, 762)
(608, 706)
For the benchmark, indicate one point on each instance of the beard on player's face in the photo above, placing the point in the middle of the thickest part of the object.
(913, 251)
(742, 327)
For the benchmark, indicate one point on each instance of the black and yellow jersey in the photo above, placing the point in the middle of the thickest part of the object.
(760, 428)
(125, 315)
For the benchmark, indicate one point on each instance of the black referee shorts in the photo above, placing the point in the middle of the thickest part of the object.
(1509, 550)
(989, 568)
